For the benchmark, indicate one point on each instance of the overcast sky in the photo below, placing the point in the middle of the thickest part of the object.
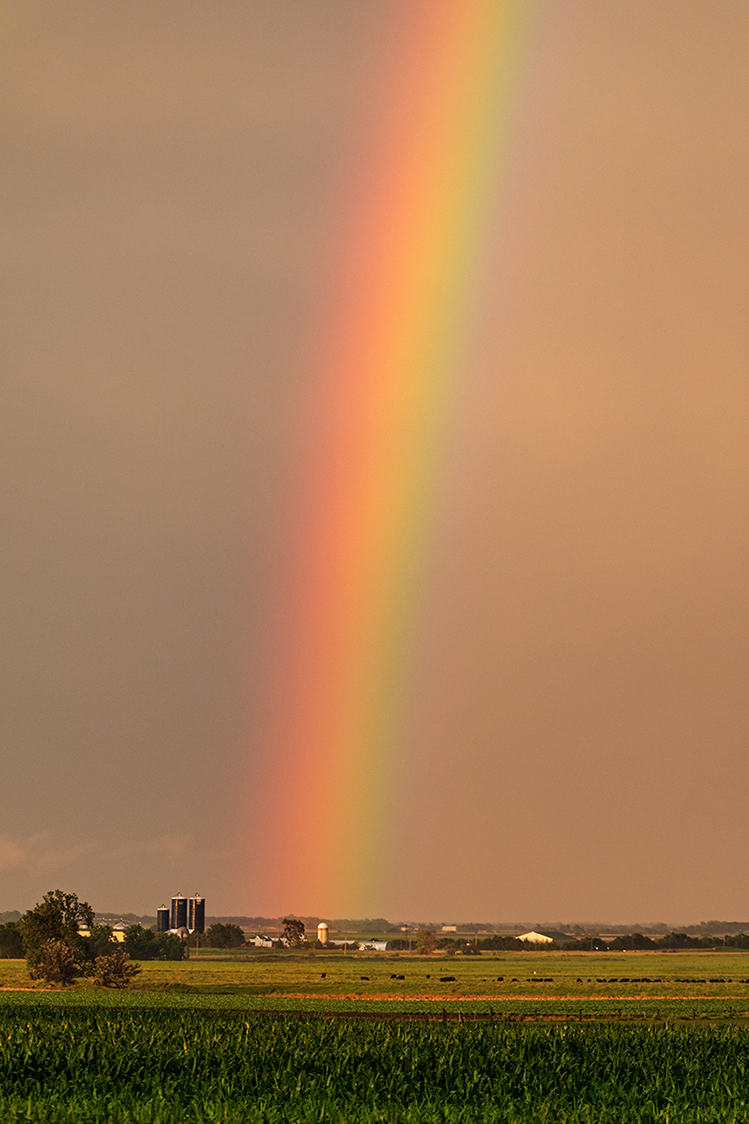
(172, 184)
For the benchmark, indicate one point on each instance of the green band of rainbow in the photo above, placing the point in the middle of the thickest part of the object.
(385, 379)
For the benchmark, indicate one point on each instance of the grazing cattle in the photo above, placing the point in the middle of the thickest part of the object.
(447, 979)
(500, 979)
(579, 980)
(393, 976)
(400, 977)
(428, 976)
(323, 975)
(364, 978)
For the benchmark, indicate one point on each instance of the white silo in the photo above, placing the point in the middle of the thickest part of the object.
(322, 933)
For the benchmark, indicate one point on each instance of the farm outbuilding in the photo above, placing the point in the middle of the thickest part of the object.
(547, 937)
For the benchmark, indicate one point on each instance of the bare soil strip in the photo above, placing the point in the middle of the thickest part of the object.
(394, 996)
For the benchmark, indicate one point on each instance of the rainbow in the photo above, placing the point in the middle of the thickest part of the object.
(385, 376)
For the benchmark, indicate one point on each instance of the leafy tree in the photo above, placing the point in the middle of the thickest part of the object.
(448, 944)
(425, 941)
(631, 941)
(738, 940)
(11, 941)
(499, 943)
(224, 936)
(144, 944)
(115, 970)
(680, 940)
(56, 918)
(293, 930)
(99, 943)
(57, 963)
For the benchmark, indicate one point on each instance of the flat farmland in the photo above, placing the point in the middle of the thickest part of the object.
(289, 1038)
(501, 986)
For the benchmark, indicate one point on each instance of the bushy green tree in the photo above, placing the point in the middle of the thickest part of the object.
(11, 941)
(425, 941)
(223, 936)
(498, 943)
(144, 944)
(630, 941)
(99, 943)
(293, 930)
(57, 963)
(56, 918)
(682, 940)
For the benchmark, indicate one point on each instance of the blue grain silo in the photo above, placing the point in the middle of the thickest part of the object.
(179, 912)
(196, 914)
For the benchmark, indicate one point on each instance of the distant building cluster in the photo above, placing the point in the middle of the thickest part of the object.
(183, 914)
(262, 940)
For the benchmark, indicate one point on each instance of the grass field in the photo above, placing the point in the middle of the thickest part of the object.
(681, 985)
(562, 1038)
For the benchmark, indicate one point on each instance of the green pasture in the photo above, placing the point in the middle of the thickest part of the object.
(502, 986)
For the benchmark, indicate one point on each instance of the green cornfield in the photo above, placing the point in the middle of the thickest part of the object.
(174, 1067)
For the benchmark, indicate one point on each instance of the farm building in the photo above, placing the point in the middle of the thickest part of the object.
(548, 937)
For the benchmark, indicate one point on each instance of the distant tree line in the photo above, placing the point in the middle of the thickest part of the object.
(630, 942)
(636, 941)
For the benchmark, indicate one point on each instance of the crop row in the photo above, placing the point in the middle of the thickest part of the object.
(538, 1005)
(163, 1067)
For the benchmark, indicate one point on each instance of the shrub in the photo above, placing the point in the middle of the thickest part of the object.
(57, 963)
(115, 970)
